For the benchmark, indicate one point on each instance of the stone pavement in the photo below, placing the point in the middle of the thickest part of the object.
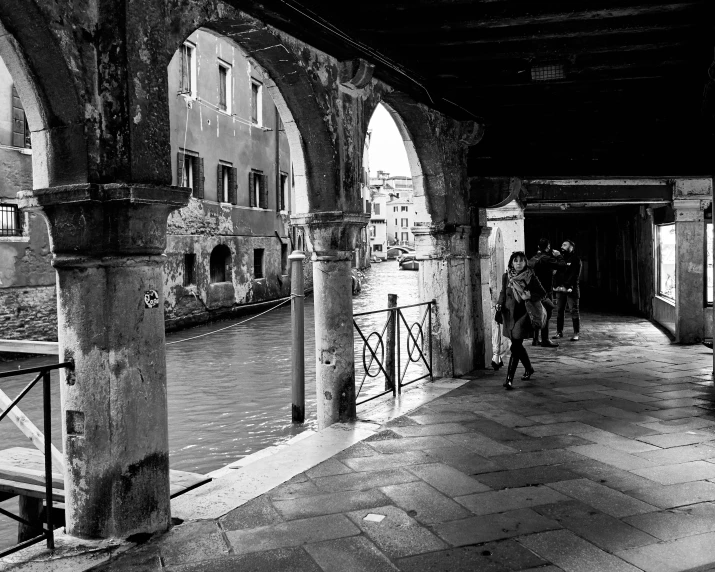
(604, 462)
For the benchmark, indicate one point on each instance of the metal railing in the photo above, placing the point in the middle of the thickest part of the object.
(43, 373)
(382, 351)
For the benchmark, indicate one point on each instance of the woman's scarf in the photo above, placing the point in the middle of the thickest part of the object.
(518, 282)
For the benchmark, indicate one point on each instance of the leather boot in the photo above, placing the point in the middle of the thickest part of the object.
(510, 371)
(528, 370)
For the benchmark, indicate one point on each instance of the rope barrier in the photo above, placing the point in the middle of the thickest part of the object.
(288, 299)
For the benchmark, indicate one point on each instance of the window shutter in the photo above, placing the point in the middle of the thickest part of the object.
(251, 194)
(219, 182)
(179, 168)
(263, 197)
(199, 184)
(232, 186)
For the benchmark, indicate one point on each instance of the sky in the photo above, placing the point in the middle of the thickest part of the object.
(387, 152)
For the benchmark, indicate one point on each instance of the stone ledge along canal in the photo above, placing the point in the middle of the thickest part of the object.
(229, 393)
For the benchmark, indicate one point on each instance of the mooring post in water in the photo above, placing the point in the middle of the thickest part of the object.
(390, 379)
(297, 324)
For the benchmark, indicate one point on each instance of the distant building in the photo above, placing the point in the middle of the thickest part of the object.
(399, 210)
(378, 223)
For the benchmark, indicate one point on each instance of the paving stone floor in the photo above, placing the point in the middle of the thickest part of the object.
(603, 462)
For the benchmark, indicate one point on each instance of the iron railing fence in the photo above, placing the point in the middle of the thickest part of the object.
(43, 373)
(10, 224)
(395, 348)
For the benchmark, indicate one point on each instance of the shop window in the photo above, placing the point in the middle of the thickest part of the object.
(709, 263)
(258, 263)
(665, 235)
(189, 264)
(220, 263)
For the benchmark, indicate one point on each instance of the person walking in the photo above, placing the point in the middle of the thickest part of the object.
(544, 263)
(519, 301)
(567, 290)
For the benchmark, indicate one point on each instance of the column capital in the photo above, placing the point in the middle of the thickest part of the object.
(332, 234)
(441, 240)
(690, 210)
(109, 219)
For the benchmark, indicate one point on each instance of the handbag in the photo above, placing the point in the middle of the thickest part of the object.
(537, 313)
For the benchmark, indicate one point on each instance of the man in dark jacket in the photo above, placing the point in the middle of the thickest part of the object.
(544, 262)
(567, 290)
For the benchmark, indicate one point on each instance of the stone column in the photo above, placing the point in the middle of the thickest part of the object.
(332, 237)
(689, 270)
(107, 243)
(481, 291)
(445, 275)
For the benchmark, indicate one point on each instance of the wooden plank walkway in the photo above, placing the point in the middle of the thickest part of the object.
(22, 473)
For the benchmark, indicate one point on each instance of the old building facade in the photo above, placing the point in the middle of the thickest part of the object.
(230, 245)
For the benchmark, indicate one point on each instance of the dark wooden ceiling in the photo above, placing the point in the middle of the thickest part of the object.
(629, 102)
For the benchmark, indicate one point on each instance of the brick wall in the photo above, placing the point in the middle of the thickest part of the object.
(28, 313)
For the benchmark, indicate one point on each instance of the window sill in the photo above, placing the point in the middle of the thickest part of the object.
(669, 301)
(259, 279)
(14, 239)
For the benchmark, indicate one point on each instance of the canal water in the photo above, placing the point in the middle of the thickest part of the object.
(229, 392)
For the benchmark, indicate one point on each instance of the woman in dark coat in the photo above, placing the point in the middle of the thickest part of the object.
(519, 284)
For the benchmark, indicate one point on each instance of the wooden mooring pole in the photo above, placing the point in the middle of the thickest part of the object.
(297, 292)
(390, 380)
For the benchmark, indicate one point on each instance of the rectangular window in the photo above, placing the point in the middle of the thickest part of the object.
(256, 103)
(665, 235)
(284, 259)
(405, 237)
(20, 130)
(405, 223)
(189, 263)
(283, 192)
(224, 87)
(188, 69)
(403, 209)
(394, 209)
(368, 207)
(372, 231)
(10, 220)
(395, 222)
(190, 172)
(224, 183)
(376, 208)
(258, 263)
(377, 247)
(709, 263)
(257, 194)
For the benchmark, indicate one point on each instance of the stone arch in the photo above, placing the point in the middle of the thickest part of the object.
(430, 139)
(295, 75)
(220, 264)
(49, 95)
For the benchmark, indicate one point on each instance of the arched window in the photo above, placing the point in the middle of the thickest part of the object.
(220, 264)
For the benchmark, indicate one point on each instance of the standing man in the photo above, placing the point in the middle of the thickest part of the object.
(544, 262)
(567, 290)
